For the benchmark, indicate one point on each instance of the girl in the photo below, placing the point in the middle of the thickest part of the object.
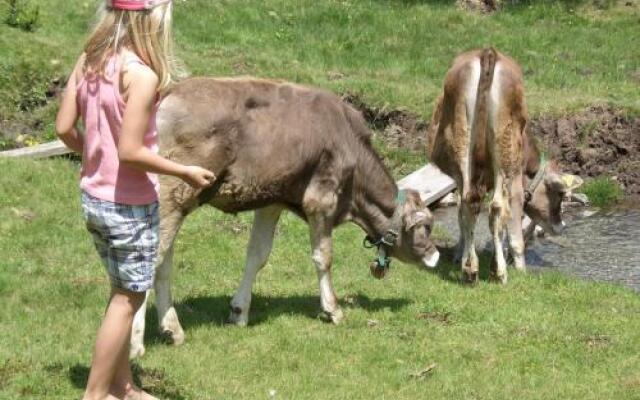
(114, 89)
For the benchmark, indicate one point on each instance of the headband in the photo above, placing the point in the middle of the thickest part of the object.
(137, 5)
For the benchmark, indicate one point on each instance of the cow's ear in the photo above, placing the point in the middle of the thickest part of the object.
(571, 182)
(555, 183)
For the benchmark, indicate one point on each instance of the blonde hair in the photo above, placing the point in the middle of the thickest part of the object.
(147, 33)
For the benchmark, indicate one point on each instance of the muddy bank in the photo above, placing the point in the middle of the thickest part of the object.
(599, 141)
(25, 116)
(398, 128)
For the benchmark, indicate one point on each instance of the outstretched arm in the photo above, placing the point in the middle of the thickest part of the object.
(141, 89)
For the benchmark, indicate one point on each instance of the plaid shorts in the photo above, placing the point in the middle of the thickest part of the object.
(126, 238)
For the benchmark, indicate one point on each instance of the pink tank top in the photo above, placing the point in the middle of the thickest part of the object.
(102, 176)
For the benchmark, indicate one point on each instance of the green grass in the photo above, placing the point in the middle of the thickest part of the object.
(390, 52)
(602, 192)
(542, 336)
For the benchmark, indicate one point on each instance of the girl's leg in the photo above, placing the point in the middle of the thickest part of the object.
(112, 341)
(123, 386)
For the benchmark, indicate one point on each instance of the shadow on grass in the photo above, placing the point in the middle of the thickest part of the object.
(152, 380)
(448, 269)
(214, 310)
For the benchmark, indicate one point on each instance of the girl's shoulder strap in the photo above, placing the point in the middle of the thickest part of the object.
(80, 69)
(129, 58)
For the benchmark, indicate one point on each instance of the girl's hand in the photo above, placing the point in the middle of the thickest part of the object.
(198, 177)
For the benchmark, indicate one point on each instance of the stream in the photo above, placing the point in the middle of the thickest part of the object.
(599, 245)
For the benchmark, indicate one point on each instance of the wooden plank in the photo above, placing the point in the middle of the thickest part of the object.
(50, 149)
(430, 182)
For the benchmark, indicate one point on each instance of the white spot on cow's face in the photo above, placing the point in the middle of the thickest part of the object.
(431, 261)
(558, 228)
(545, 208)
(413, 244)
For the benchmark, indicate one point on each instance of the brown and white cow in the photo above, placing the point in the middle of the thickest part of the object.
(275, 146)
(478, 137)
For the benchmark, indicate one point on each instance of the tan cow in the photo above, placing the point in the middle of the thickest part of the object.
(478, 137)
(276, 146)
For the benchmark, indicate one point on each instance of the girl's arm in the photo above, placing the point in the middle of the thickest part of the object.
(68, 113)
(142, 84)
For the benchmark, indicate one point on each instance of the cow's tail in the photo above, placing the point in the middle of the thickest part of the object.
(480, 155)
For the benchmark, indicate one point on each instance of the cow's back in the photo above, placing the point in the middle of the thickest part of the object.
(454, 144)
(449, 136)
(267, 137)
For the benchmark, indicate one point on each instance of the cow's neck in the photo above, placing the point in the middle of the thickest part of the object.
(374, 197)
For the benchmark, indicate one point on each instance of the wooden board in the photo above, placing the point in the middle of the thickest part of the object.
(430, 182)
(50, 149)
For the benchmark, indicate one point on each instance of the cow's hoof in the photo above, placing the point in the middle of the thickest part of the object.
(175, 338)
(498, 278)
(136, 351)
(334, 317)
(520, 265)
(170, 328)
(337, 316)
(469, 278)
(237, 318)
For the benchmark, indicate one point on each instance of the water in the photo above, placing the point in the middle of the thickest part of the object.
(603, 246)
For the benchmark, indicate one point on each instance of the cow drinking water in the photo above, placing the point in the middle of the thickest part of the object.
(276, 146)
(478, 137)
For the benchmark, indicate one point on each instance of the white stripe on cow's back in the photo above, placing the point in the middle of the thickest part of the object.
(494, 99)
(471, 92)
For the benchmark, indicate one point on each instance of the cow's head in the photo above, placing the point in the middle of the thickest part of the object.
(543, 204)
(415, 221)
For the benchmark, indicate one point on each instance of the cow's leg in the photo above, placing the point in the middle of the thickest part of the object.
(516, 239)
(467, 217)
(260, 244)
(169, 324)
(136, 348)
(320, 229)
(458, 249)
(498, 211)
(167, 317)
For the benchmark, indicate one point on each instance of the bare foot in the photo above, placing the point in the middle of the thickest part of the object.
(135, 393)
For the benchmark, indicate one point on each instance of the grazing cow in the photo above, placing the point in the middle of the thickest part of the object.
(478, 137)
(274, 146)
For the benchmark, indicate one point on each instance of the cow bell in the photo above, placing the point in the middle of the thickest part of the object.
(378, 271)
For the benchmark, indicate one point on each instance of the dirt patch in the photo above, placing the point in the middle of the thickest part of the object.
(25, 115)
(481, 6)
(398, 128)
(600, 141)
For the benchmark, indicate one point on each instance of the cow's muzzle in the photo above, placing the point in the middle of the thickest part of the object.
(431, 260)
(557, 229)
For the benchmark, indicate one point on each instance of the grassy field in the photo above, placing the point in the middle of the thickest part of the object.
(542, 336)
(390, 52)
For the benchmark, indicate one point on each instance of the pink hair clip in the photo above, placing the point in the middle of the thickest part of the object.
(137, 5)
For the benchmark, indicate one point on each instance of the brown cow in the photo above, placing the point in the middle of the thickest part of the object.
(275, 146)
(478, 137)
